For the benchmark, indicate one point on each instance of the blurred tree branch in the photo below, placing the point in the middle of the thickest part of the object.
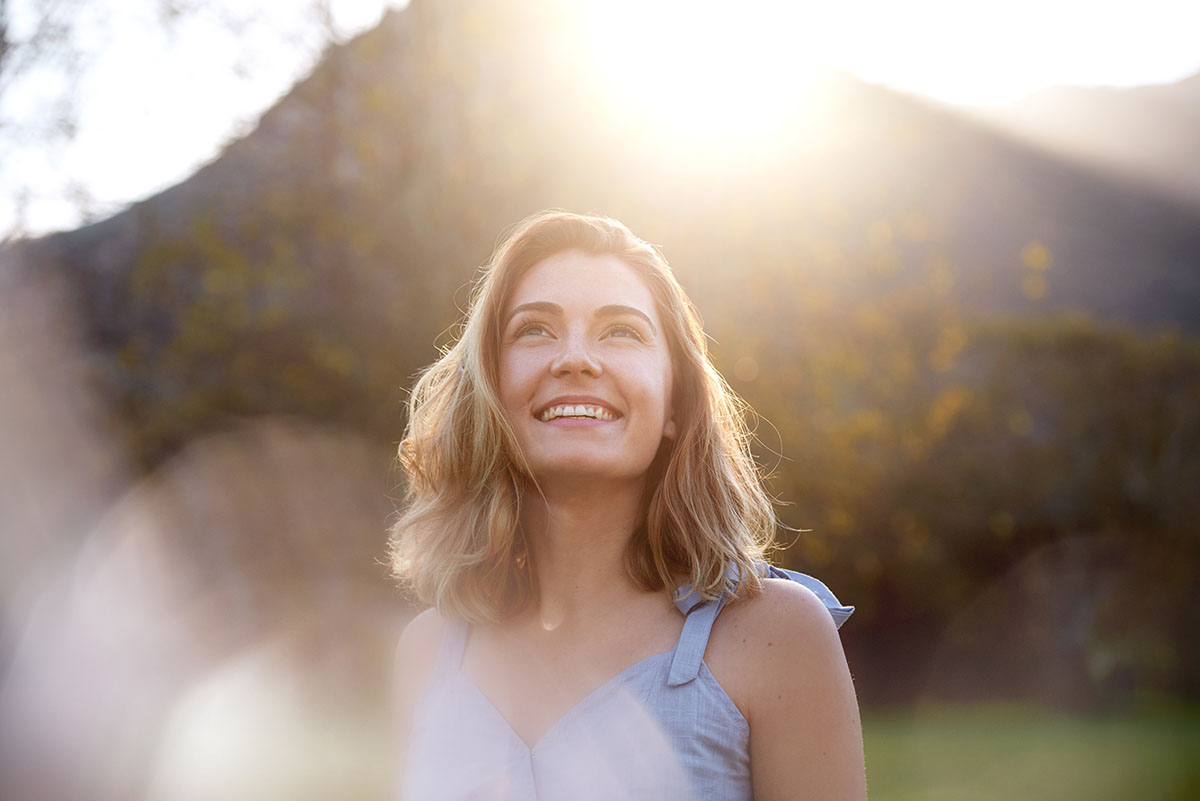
(46, 40)
(48, 48)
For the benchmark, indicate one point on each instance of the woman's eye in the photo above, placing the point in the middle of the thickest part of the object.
(533, 329)
(624, 331)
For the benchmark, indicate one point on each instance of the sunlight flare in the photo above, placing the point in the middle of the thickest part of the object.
(704, 74)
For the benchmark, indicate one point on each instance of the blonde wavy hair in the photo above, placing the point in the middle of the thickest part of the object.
(458, 541)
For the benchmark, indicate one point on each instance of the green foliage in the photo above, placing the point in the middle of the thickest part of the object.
(929, 483)
(1008, 498)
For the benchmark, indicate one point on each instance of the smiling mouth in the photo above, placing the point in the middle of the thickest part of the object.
(576, 411)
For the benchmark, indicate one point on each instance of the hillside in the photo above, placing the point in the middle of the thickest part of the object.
(1146, 133)
(966, 349)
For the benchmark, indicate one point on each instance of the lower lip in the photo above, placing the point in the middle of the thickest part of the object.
(577, 422)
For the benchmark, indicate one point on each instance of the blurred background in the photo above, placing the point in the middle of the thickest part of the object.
(950, 253)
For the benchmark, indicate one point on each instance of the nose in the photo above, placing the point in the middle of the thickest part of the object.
(575, 357)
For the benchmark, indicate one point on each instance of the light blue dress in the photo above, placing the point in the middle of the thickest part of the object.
(661, 730)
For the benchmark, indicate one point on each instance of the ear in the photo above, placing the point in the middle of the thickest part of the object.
(669, 425)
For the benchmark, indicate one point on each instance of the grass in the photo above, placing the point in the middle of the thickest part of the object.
(1012, 753)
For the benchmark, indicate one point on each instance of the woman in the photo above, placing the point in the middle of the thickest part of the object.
(585, 519)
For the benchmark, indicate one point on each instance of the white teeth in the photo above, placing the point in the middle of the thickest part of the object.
(589, 412)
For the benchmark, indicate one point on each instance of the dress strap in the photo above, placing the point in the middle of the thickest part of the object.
(700, 614)
(689, 651)
(837, 610)
(454, 643)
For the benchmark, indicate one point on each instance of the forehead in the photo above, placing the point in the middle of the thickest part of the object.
(580, 281)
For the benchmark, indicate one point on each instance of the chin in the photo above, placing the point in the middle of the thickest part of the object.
(577, 469)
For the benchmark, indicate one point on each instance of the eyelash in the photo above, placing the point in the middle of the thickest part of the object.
(625, 329)
(529, 328)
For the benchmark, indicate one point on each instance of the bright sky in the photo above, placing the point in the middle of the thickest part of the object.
(989, 51)
(159, 101)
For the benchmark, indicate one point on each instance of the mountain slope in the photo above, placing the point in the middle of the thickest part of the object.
(309, 269)
(1149, 133)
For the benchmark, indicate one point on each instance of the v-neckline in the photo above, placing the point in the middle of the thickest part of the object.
(572, 711)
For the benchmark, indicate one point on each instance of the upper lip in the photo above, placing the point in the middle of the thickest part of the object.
(576, 400)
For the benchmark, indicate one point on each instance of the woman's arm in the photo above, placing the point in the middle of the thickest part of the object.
(805, 732)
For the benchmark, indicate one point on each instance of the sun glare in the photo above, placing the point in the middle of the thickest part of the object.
(702, 74)
(723, 71)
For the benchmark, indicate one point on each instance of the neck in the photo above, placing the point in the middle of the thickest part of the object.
(578, 535)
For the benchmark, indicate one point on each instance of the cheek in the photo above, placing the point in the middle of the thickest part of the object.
(518, 379)
(508, 379)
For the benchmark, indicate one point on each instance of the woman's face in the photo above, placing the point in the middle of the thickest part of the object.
(585, 369)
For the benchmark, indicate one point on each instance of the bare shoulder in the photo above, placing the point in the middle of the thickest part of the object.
(417, 649)
(423, 632)
(416, 657)
(777, 633)
(782, 603)
(780, 659)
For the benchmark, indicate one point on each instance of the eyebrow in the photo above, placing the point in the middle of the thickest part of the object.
(611, 310)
